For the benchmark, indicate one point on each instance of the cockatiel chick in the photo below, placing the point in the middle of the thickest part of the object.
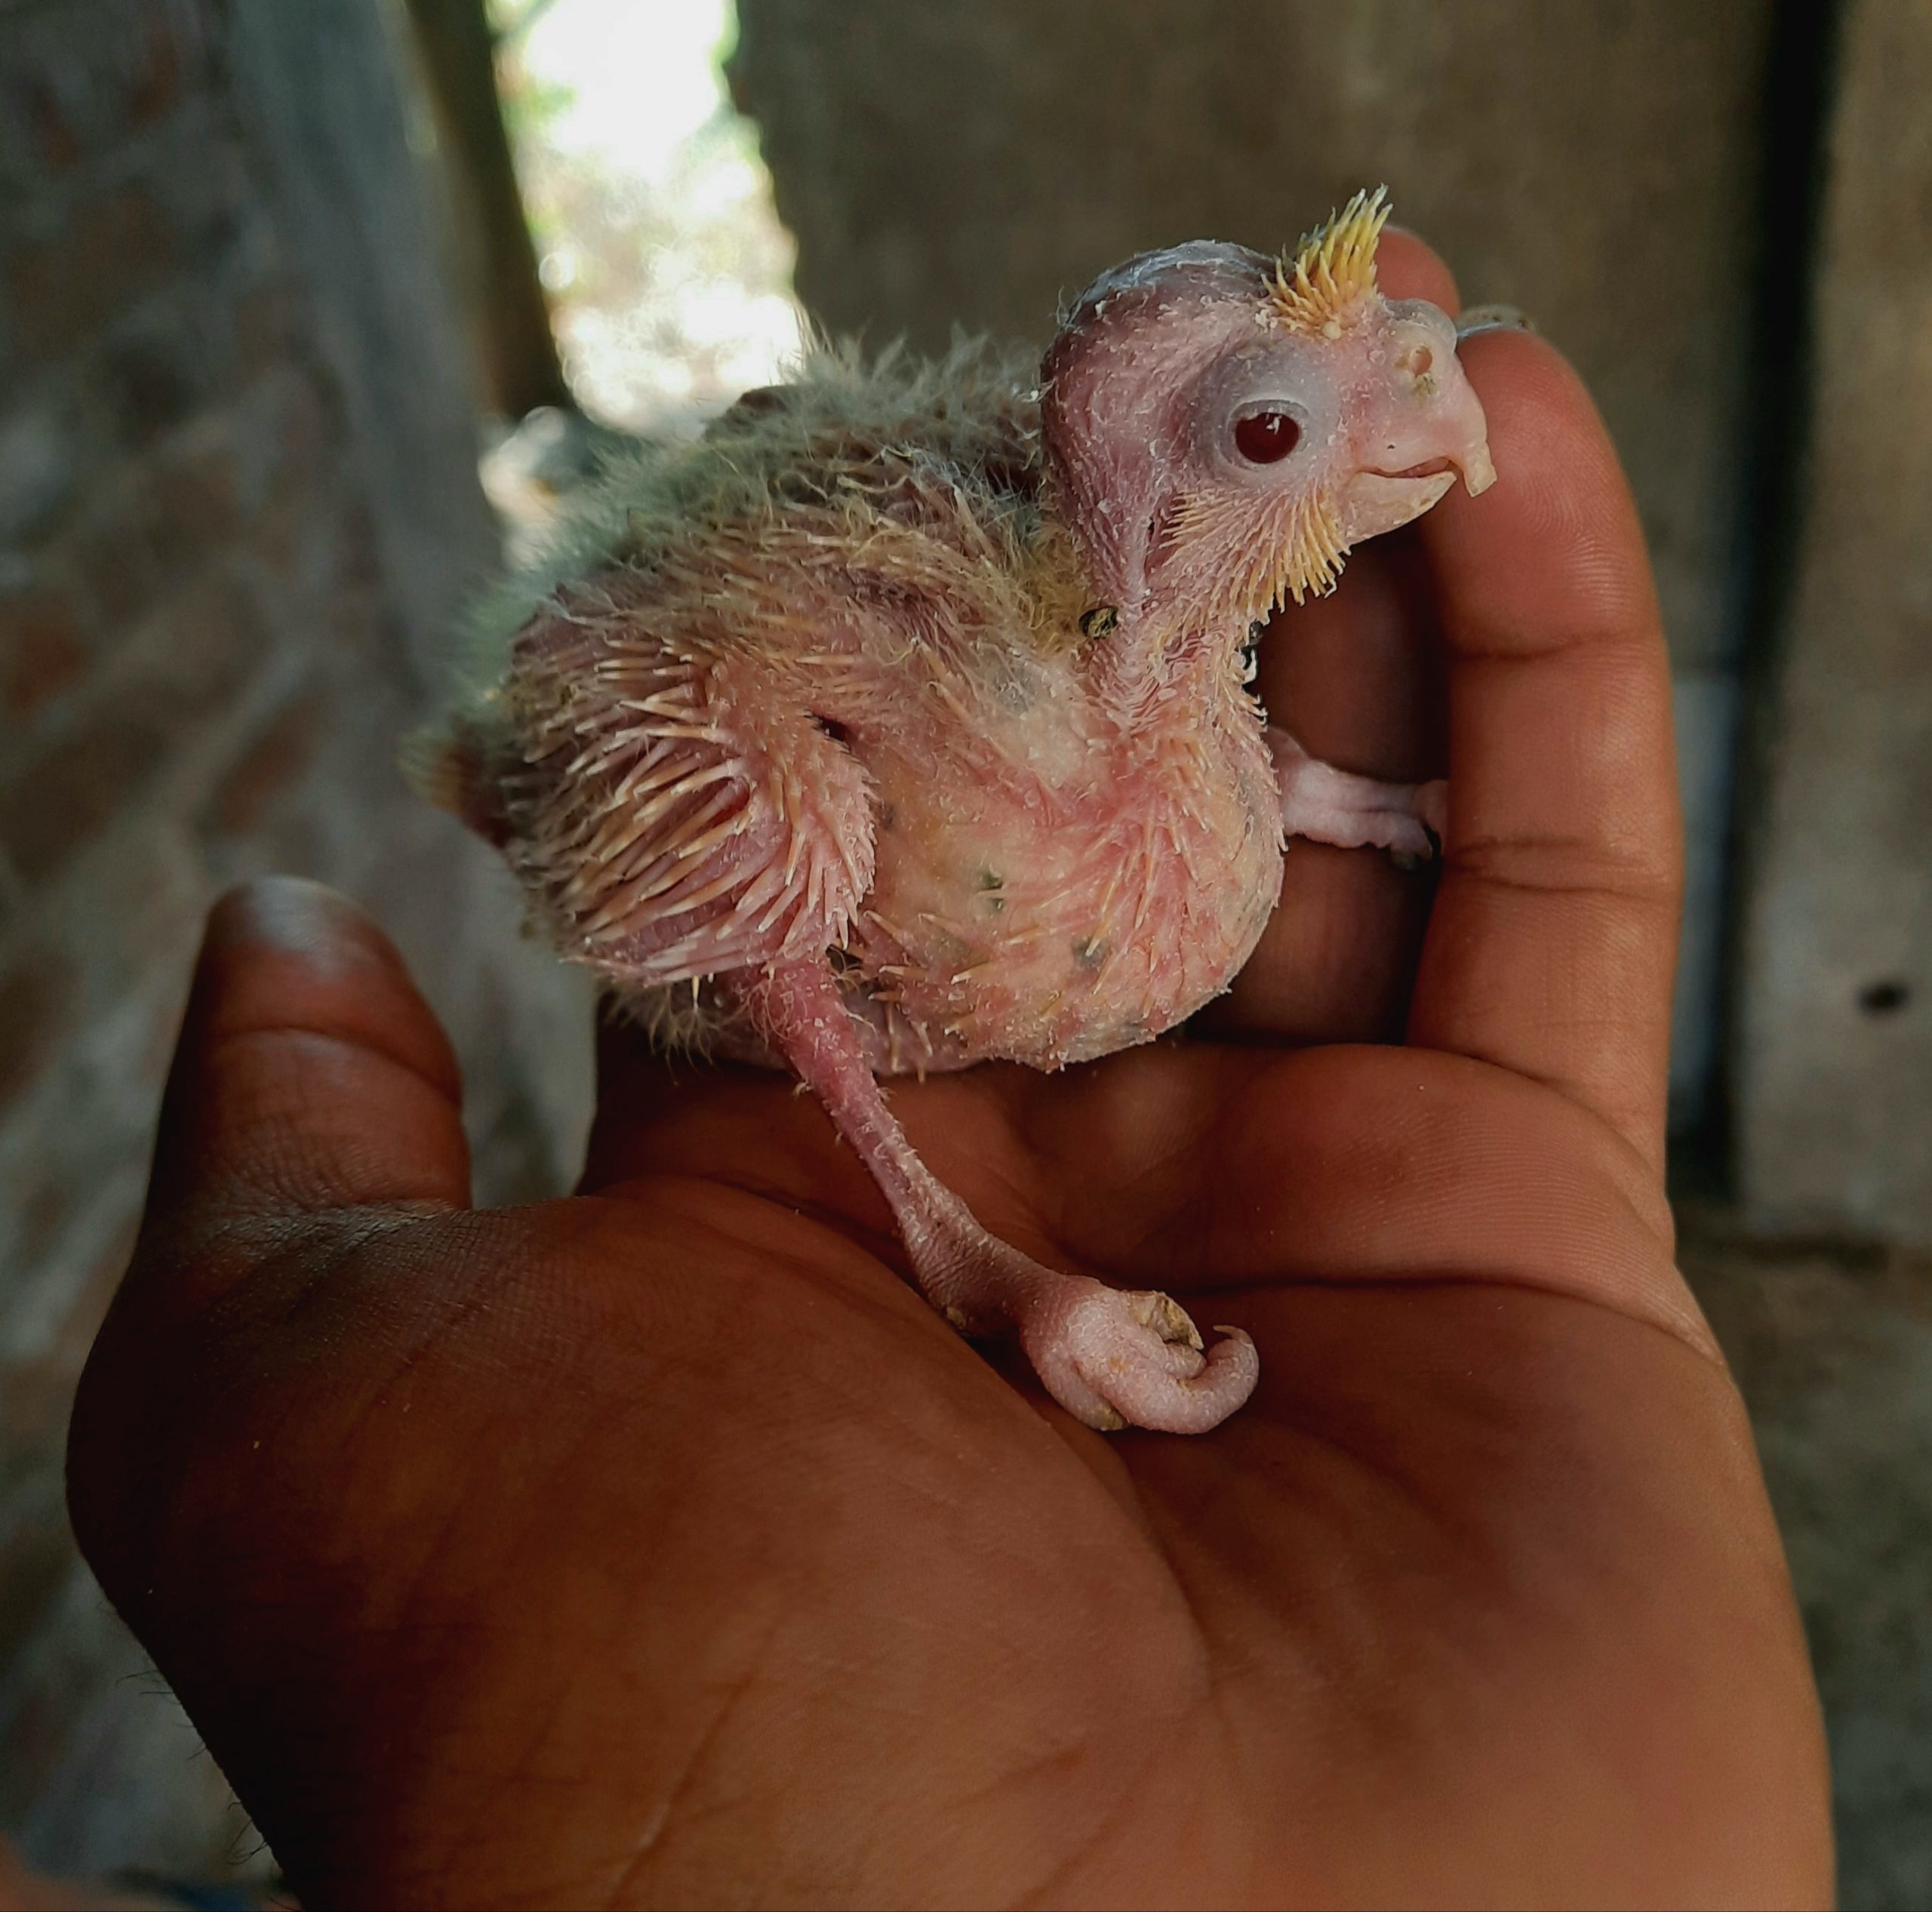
(903, 722)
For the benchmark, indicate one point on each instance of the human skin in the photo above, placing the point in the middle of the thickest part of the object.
(660, 1546)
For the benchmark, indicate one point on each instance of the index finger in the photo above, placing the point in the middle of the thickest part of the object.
(1552, 942)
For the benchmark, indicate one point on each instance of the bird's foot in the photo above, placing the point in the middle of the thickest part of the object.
(1327, 805)
(1114, 1357)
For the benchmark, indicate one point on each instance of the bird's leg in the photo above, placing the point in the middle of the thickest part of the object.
(1109, 1357)
(1330, 806)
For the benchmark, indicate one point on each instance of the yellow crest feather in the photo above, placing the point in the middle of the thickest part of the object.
(1321, 288)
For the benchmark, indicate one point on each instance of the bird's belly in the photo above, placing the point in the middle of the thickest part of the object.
(1017, 924)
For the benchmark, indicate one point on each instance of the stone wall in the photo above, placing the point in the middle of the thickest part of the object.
(237, 505)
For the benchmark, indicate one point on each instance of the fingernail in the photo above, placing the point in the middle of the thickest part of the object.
(1493, 319)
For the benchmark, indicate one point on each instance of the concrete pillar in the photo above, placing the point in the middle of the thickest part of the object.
(1833, 1066)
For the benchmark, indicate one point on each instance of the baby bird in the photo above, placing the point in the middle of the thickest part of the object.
(902, 721)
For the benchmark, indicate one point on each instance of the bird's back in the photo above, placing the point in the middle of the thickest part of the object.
(848, 449)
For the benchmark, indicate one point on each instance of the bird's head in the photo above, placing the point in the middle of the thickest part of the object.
(1219, 428)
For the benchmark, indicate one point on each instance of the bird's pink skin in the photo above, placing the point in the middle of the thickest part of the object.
(899, 828)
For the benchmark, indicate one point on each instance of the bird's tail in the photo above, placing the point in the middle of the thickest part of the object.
(446, 765)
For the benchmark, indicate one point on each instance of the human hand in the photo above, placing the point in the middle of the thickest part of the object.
(659, 1545)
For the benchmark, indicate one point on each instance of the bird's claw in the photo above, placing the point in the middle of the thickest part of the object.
(1113, 1358)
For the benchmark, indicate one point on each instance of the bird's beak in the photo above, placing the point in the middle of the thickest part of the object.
(1373, 503)
(1478, 469)
(1413, 452)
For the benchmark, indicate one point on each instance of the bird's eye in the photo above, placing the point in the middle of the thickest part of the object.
(1265, 437)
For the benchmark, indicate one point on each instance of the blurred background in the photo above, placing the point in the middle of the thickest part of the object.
(307, 313)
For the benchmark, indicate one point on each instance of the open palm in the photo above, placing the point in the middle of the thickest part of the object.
(660, 1546)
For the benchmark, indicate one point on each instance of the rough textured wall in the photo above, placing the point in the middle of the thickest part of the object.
(1834, 1064)
(237, 491)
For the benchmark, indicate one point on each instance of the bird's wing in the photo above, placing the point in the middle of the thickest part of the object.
(677, 813)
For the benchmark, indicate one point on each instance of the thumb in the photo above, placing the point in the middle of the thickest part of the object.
(310, 1076)
(312, 1104)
